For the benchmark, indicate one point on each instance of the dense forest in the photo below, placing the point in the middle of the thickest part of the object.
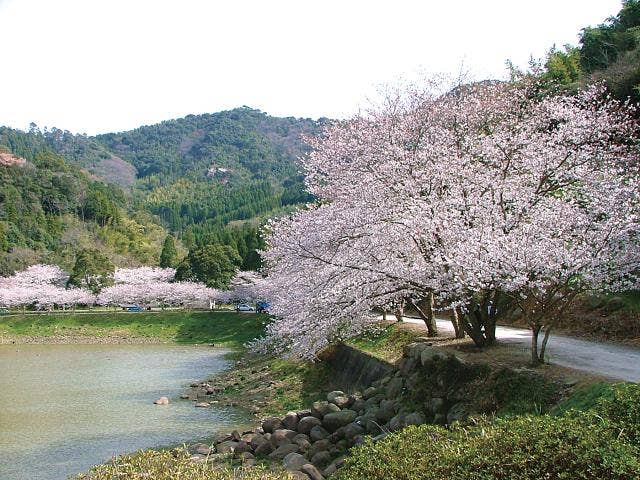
(50, 209)
(205, 179)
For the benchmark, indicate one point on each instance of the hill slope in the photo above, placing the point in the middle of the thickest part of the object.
(205, 178)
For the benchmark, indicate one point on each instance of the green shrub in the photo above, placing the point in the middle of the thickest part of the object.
(615, 405)
(584, 398)
(621, 409)
(174, 465)
(520, 393)
(518, 448)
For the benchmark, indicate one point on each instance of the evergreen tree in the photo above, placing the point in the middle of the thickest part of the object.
(214, 265)
(169, 254)
(92, 270)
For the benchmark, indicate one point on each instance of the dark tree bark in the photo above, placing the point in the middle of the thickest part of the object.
(455, 321)
(425, 310)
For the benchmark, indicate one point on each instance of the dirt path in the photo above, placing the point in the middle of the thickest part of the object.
(614, 361)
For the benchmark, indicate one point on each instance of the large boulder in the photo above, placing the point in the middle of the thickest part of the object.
(264, 449)
(370, 392)
(352, 430)
(257, 439)
(282, 436)
(321, 459)
(415, 418)
(407, 365)
(201, 449)
(318, 433)
(270, 424)
(358, 405)
(319, 446)
(333, 421)
(241, 447)
(322, 408)
(338, 398)
(386, 411)
(394, 387)
(162, 401)
(228, 446)
(303, 442)
(412, 350)
(300, 437)
(306, 424)
(284, 450)
(312, 472)
(290, 421)
(294, 461)
(430, 354)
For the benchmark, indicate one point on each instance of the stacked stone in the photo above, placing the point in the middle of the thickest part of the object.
(312, 443)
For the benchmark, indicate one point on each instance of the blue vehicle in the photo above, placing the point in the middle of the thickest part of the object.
(262, 307)
(135, 308)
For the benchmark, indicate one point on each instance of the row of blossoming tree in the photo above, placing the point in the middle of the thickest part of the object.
(477, 200)
(45, 287)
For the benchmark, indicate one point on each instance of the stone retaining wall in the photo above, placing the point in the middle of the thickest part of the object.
(353, 370)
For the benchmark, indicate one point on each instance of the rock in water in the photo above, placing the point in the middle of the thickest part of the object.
(162, 401)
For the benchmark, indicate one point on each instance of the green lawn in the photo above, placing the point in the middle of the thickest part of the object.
(228, 329)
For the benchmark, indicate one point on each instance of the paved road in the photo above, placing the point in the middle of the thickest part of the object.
(615, 361)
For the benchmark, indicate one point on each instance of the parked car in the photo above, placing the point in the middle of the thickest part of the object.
(4, 311)
(262, 307)
(243, 307)
(135, 308)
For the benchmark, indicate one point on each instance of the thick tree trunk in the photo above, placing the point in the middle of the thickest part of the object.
(455, 321)
(474, 331)
(427, 315)
(384, 315)
(399, 314)
(479, 327)
(545, 340)
(535, 333)
(432, 326)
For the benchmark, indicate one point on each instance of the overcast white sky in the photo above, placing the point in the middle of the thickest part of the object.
(109, 65)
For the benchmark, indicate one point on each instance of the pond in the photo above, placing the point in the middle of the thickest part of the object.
(64, 408)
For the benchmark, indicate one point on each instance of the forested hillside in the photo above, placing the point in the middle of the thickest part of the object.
(206, 179)
(608, 52)
(50, 209)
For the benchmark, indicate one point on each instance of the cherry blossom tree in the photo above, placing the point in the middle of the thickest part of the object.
(142, 275)
(246, 287)
(42, 286)
(153, 287)
(486, 197)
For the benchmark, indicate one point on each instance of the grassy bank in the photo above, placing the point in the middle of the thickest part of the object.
(509, 408)
(228, 329)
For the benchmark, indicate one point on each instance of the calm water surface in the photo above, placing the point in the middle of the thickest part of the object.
(64, 408)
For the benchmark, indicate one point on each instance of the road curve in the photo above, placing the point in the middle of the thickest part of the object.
(618, 362)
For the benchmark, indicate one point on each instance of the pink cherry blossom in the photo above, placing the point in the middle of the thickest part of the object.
(487, 196)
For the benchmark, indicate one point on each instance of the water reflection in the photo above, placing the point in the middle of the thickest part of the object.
(66, 407)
